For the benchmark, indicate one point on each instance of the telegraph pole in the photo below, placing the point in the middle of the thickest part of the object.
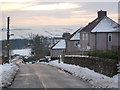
(8, 36)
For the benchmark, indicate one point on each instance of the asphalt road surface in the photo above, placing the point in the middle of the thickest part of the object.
(45, 76)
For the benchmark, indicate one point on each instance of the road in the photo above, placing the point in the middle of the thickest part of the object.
(45, 76)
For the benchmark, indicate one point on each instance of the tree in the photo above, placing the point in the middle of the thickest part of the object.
(39, 46)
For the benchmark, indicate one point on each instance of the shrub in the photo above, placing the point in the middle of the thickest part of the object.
(108, 54)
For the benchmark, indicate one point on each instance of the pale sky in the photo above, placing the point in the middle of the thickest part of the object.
(55, 13)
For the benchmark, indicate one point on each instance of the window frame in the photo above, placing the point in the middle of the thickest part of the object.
(109, 35)
(77, 43)
(83, 36)
(86, 36)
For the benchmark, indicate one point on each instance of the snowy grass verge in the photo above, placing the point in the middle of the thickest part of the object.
(7, 73)
(95, 79)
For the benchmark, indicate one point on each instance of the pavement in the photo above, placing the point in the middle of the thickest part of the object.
(45, 76)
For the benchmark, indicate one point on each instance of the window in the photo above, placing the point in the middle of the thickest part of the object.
(109, 37)
(77, 44)
(83, 38)
(86, 36)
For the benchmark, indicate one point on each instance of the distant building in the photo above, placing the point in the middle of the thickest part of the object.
(73, 42)
(58, 48)
(56, 39)
(60, 45)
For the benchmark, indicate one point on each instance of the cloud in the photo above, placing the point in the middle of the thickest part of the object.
(52, 6)
(16, 0)
(12, 6)
(42, 13)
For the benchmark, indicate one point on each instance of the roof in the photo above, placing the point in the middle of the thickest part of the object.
(106, 25)
(58, 37)
(59, 45)
(91, 25)
(75, 35)
(53, 45)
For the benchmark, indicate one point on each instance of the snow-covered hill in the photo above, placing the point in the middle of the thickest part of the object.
(23, 32)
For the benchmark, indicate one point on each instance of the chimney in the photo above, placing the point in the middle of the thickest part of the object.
(102, 14)
(66, 35)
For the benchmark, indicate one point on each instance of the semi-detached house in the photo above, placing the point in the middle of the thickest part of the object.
(101, 34)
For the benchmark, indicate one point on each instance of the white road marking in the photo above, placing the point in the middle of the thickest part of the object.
(43, 84)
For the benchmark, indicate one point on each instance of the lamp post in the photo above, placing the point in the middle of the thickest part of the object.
(8, 36)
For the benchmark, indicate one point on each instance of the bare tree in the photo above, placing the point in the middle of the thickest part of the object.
(39, 45)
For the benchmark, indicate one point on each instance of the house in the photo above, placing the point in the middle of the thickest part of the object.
(59, 47)
(56, 39)
(73, 42)
(100, 34)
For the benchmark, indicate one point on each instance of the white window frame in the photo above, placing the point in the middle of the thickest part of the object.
(86, 36)
(110, 34)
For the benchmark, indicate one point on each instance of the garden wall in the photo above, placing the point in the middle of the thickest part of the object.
(104, 66)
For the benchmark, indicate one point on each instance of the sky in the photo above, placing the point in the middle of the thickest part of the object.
(51, 17)
(55, 13)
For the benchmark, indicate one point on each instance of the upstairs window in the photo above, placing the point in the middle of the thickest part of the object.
(109, 37)
(83, 36)
(86, 36)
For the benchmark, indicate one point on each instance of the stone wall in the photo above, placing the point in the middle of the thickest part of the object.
(104, 66)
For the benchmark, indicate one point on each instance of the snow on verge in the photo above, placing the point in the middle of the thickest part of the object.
(76, 56)
(95, 79)
(7, 73)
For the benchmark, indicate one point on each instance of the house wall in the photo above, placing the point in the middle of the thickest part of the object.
(99, 41)
(84, 42)
(72, 47)
(56, 53)
(0, 49)
(115, 39)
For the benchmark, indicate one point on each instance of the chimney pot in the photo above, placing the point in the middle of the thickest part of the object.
(102, 14)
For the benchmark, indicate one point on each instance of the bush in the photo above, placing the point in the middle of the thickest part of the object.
(108, 54)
